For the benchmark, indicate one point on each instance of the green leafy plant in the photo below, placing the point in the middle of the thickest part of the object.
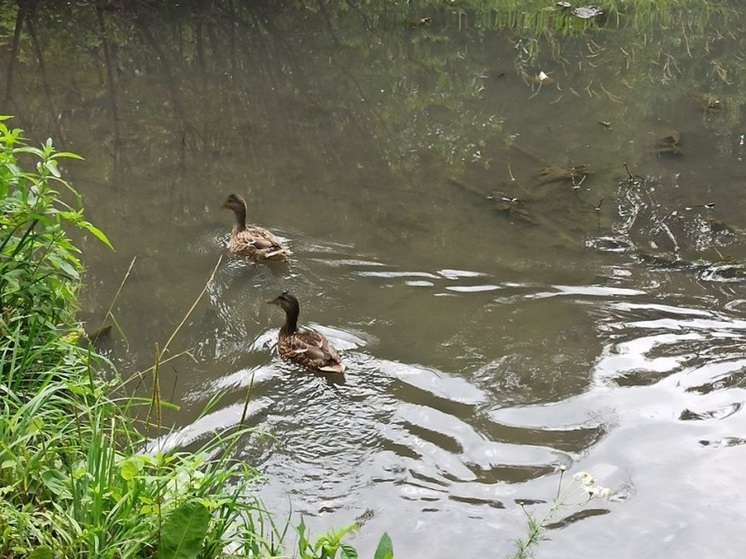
(39, 265)
(327, 545)
(184, 530)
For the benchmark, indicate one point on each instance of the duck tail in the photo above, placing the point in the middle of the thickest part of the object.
(336, 368)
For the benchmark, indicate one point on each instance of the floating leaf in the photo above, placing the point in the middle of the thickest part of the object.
(587, 12)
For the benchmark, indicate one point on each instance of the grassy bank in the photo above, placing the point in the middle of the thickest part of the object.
(75, 476)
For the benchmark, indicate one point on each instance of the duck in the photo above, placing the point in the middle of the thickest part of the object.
(255, 242)
(306, 347)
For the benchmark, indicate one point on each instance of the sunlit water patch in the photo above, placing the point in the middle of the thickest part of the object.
(655, 340)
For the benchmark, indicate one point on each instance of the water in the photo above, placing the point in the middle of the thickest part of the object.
(597, 325)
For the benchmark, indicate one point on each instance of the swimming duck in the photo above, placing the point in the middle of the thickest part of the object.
(305, 347)
(254, 242)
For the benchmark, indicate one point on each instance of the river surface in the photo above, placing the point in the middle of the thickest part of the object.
(499, 322)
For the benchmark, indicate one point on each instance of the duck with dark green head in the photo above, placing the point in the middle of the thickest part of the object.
(305, 347)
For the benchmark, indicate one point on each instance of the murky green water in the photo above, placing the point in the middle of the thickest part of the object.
(596, 324)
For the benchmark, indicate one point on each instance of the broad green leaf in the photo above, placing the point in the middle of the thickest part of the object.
(73, 216)
(346, 530)
(385, 549)
(65, 266)
(96, 232)
(183, 531)
(348, 552)
(35, 426)
(53, 168)
(29, 149)
(321, 544)
(56, 482)
(79, 469)
(41, 552)
(131, 467)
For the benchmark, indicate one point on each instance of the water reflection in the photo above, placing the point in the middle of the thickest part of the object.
(485, 400)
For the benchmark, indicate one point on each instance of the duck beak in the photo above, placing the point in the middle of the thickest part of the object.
(272, 302)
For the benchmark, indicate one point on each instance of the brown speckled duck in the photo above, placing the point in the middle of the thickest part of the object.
(305, 347)
(255, 242)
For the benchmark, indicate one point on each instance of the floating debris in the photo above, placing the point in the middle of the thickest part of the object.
(667, 142)
(421, 22)
(705, 101)
(542, 78)
(554, 174)
(587, 12)
(511, 205)
(708, 206)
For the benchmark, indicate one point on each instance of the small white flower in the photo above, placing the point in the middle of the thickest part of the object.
(598, 492)
(605, 493)
(585, 478)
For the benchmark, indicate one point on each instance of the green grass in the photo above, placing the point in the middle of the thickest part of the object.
(78, 477)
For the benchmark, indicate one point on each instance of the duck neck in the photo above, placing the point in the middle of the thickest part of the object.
(240, 213)
(291, 320)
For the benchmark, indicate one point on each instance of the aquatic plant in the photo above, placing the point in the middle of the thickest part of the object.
(328, 545)
(577, 493)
